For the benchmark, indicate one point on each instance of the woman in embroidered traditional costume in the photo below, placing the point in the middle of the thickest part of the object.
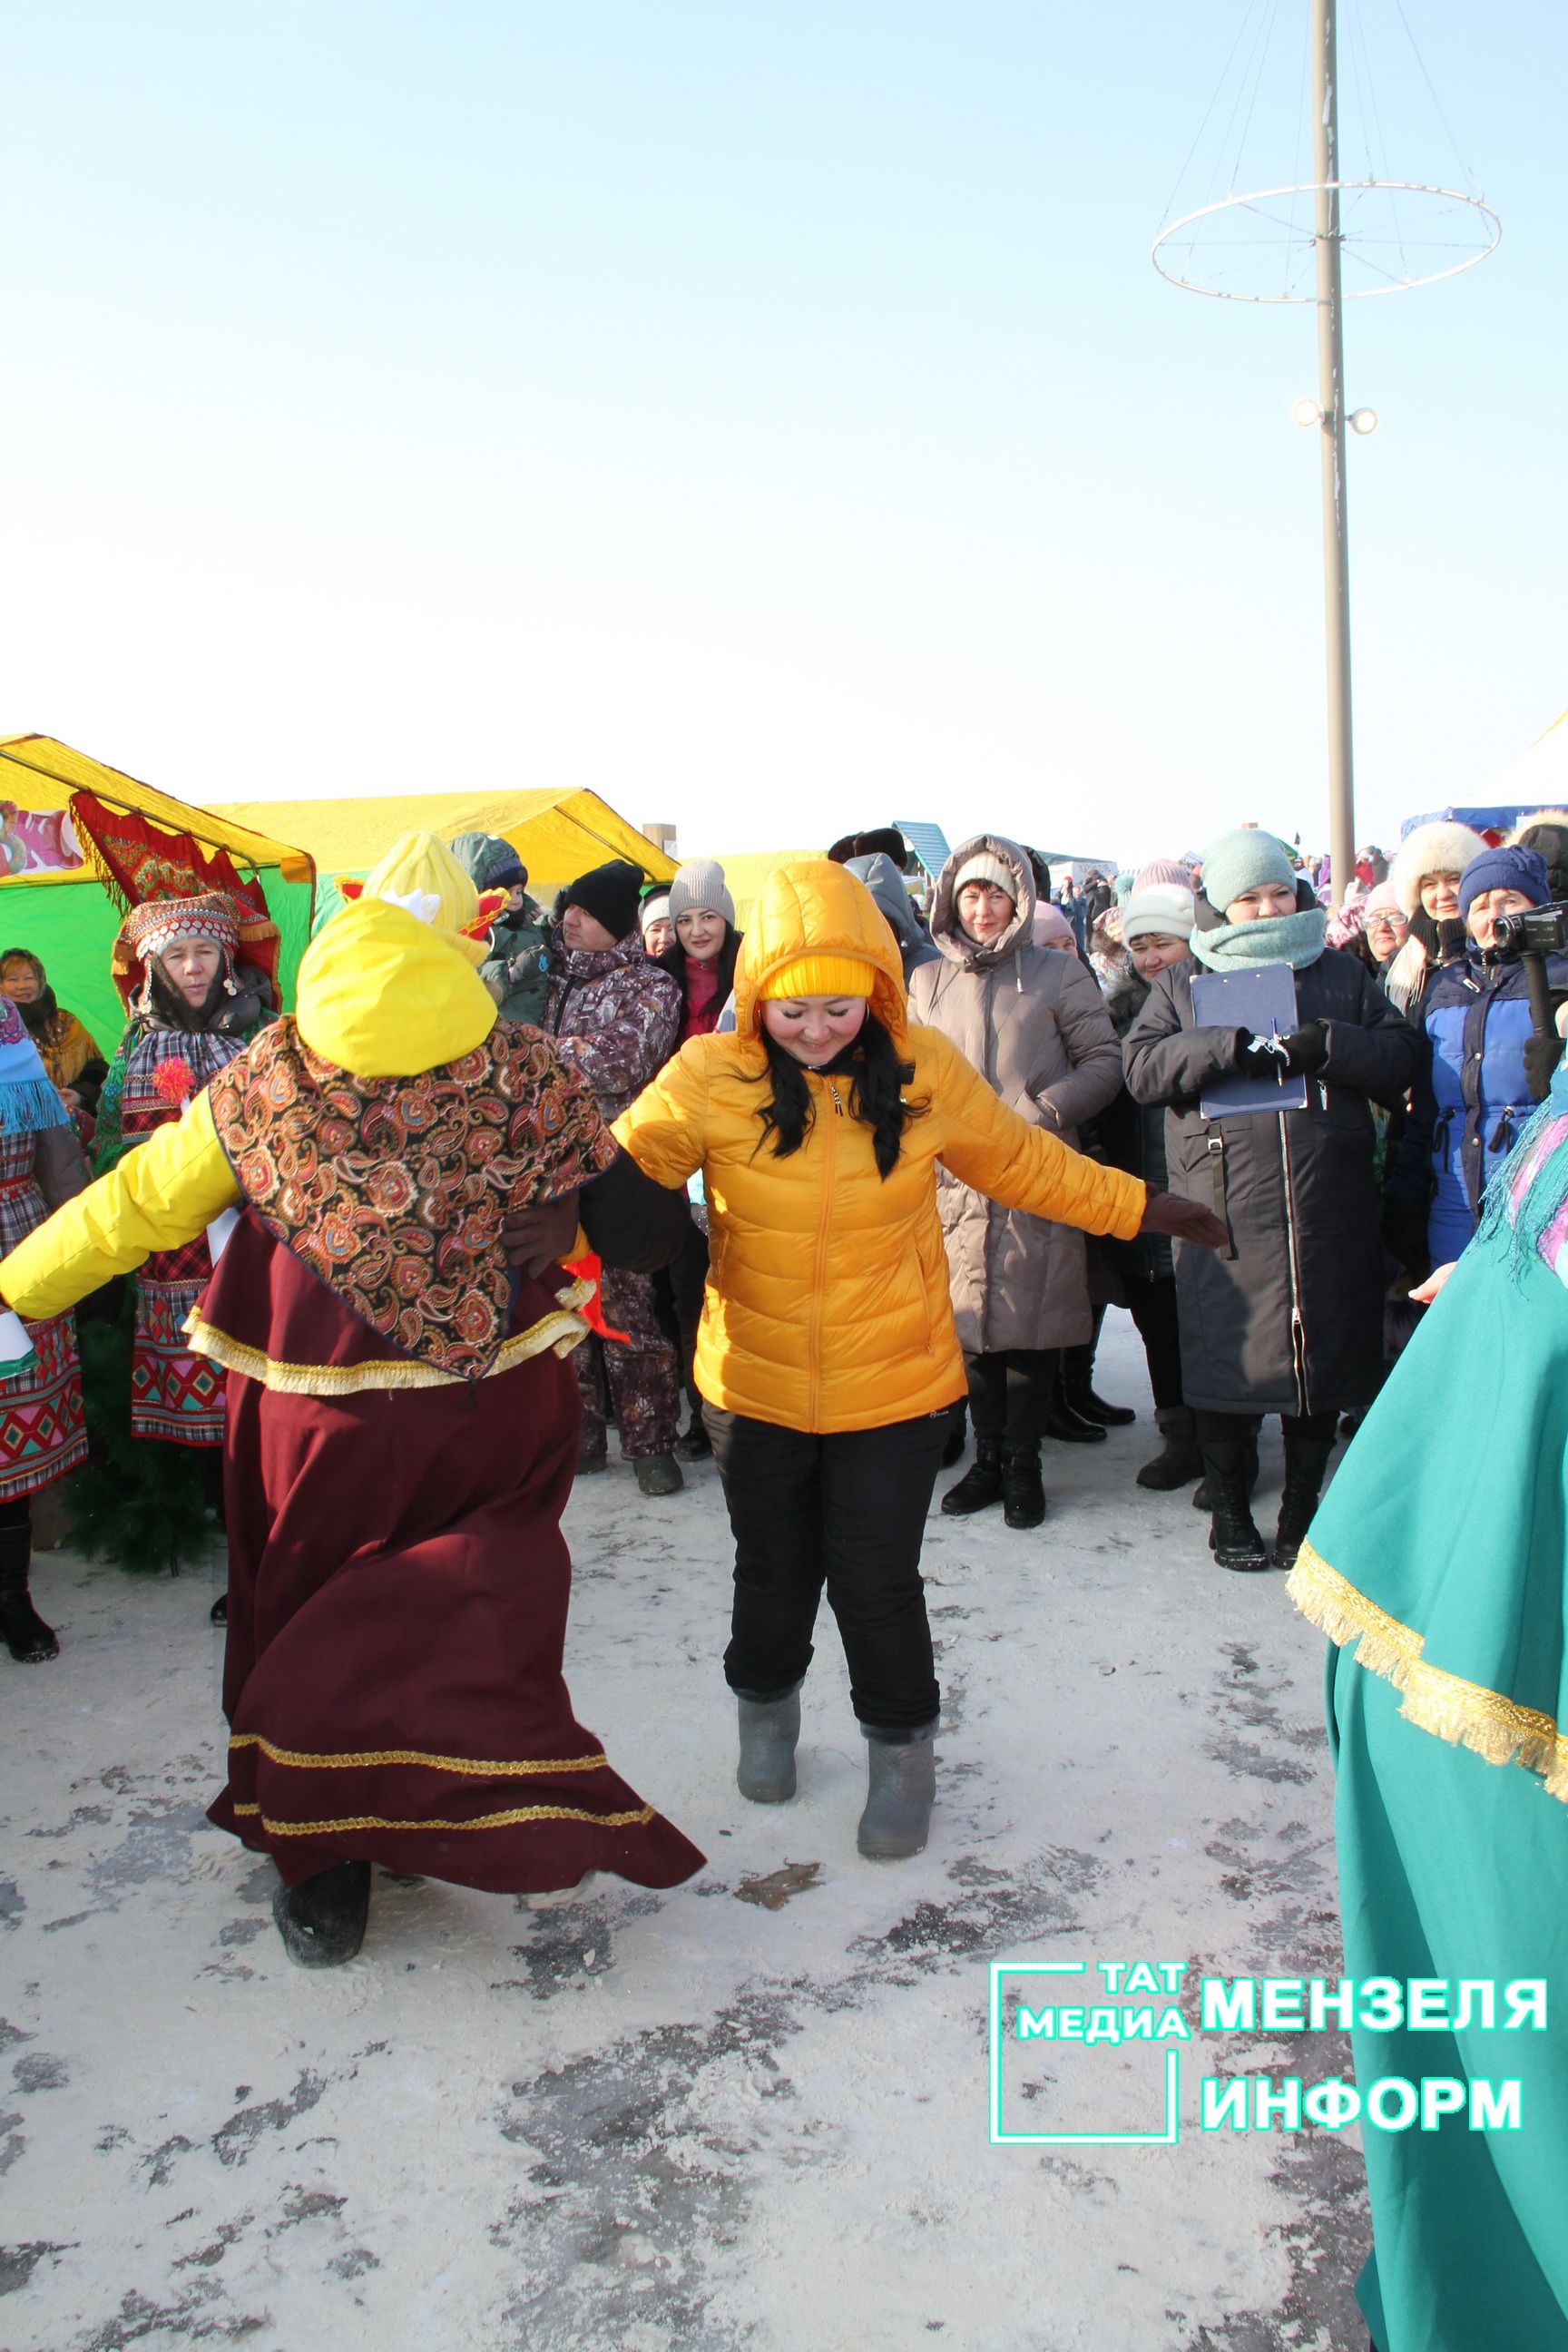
(42, 1432)
(1436, 1565)
(402, 1423)
(193, 1006)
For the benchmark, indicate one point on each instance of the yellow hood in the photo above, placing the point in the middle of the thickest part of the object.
(384, 996)
(815, 907)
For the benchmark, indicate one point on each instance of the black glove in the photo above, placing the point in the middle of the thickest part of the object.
(1307, 1049)
(1542, 1055)
(1405, 1236)
(538, 1237)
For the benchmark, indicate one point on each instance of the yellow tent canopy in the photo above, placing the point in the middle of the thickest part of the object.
(65, 916)
(558, 835)
(37, 772)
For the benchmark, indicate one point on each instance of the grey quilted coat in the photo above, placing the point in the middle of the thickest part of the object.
(1032, 1022)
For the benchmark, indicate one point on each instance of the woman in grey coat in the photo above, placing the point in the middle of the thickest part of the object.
(1033, 1022)
(1288, 1319)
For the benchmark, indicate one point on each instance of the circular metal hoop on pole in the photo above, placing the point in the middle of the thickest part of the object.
(1266, 234)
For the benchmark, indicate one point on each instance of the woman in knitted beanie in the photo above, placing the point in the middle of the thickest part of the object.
(1288, 1319)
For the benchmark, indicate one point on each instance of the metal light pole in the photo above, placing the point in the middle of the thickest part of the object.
(1330, 401)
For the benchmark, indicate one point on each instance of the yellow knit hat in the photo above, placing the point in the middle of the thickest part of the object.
(821, 975)
(420, 875)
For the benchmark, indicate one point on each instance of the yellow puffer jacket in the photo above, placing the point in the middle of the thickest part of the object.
(827, 1305)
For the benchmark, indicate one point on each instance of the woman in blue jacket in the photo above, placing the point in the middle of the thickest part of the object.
(1475, 1092)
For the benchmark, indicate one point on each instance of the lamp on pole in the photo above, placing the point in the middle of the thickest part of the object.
(1246, 247)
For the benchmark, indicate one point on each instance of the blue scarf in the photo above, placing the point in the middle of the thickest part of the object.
(1297, 939)
(28, 1099)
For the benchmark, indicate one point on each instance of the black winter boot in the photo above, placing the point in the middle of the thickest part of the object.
(1306, 1463)
(981, 1485)
(1232, 1540)
(694, 1445)
(23, 1631)
(1064, 1422)
(321, 1920)
(1201, 1493)
(957, 1436)
(1179, 1462)
(1077, 1392)
(1023, 1489)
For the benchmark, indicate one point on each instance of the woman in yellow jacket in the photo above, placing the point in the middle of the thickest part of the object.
(826, 1356)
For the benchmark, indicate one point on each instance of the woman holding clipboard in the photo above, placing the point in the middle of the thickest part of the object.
(1265, 1048)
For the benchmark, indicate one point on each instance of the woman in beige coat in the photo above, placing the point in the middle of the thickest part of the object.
(1032, 1022)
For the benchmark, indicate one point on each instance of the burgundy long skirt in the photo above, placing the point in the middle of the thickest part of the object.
(397, 1600)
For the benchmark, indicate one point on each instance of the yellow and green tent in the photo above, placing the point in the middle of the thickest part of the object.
(67, 916)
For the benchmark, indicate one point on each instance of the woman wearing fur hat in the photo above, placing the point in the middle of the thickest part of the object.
(1032, 1022)
(828, 1357)
(1476, 1090)
(402, 1427)
(1425, 879)
(1288, 1319)
(615, 1018)
(194, 1005)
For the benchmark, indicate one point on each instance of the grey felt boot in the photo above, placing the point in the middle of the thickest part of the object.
(769, 1730)
(897, 1819)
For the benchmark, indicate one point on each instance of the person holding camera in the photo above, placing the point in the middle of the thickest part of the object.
(1489, 1062)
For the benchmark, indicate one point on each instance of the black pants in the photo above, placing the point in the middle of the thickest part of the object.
(677, 1300)
(1010, 1392)
(847, 1511)
(1225, 1437)
(1151, 1303)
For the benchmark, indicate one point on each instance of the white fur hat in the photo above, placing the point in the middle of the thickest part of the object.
(1159, 909)
(1441, 848)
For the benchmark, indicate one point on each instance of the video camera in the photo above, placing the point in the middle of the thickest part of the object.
(1539, 931)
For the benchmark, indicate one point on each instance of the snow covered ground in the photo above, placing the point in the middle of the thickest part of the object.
(752, 2112)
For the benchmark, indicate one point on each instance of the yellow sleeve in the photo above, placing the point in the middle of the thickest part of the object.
(1024, 1167)
(164, 1192)
(665, 1130)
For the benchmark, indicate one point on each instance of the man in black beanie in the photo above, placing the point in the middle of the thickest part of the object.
(615, 1016)
(609, 895)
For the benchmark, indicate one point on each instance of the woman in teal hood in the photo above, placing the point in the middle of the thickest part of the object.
(515, 971)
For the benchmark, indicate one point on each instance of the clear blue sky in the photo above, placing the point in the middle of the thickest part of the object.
(765, 415)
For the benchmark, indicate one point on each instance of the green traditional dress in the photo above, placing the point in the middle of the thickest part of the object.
(1436, 1565)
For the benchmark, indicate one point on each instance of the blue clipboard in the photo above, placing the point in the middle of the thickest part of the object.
(1260, 997)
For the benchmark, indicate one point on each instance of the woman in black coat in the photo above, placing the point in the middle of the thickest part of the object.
(1289, 1320)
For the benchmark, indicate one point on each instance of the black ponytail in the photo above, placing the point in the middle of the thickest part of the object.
(877, 1080)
